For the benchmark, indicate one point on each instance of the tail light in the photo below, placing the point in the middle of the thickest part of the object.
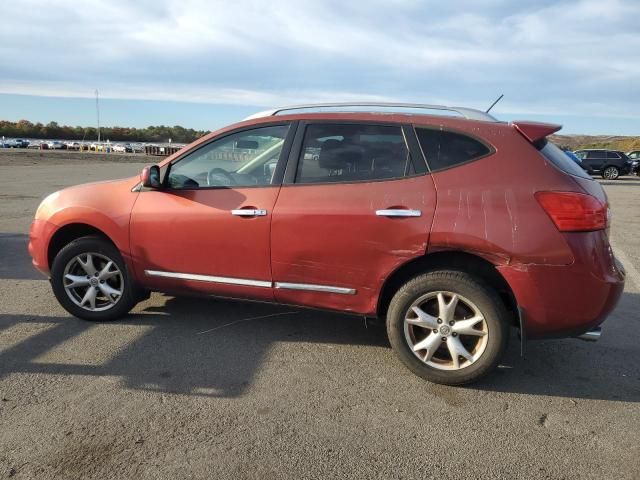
(574, 212)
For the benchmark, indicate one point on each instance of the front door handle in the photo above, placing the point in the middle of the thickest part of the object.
(398, 212)
(249, 212)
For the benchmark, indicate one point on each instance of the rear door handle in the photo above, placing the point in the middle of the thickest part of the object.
(249, 212)
(398, 212)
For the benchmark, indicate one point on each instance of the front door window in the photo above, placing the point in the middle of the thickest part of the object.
(244, 159)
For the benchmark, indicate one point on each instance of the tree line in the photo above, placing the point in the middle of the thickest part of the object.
(53, 131)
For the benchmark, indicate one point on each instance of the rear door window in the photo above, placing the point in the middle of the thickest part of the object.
(334, 153)
(613, 155)
(444, 149)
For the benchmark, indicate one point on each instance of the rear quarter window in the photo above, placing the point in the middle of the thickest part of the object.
(444, 149)
(560, 159)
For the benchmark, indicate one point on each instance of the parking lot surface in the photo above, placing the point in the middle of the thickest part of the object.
(206, 388)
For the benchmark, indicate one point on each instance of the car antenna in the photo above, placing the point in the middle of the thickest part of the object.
(494, 103)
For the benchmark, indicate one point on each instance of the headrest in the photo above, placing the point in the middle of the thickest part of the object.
(337, 155)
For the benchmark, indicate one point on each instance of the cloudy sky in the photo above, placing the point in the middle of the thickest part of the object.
(205, 63)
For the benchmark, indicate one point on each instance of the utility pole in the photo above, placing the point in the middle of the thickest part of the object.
(98, 113)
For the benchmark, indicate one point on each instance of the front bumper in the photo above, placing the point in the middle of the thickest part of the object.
(39, 236)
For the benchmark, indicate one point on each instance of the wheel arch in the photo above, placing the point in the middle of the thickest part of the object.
(473, 264)
(70, 232)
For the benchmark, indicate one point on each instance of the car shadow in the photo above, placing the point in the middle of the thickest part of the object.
(604, 370)
(218, 348)
(190, 346)
(15, 262)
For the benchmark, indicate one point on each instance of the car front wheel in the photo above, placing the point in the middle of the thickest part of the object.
(90, 280)
(611, 173)
(447, 328)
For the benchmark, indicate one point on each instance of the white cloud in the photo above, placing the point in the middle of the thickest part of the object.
(560, 56)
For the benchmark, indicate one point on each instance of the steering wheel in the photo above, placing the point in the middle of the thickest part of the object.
(219, 172)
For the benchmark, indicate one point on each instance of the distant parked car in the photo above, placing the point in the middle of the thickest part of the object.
(16, 143)
(634, 156)
(119, 148)
(73, 145)
(608, 163)
(56, 145)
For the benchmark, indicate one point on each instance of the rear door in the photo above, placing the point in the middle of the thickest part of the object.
(356, 204)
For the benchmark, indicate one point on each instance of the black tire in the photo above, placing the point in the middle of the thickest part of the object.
(94, 244)
(611, 173)
(485, 299)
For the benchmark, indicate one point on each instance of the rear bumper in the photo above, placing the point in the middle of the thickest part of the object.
(569, 300)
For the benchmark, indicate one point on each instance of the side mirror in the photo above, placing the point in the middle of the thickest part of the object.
(150, 176)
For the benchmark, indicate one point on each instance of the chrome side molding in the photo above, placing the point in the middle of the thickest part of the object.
(591, 335)
(315, 288)
(251, 283)
(210, 278)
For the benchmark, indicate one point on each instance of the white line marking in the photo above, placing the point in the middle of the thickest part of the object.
(245, 320)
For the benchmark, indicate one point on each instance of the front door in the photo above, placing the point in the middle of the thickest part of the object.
(356, 205)
(208, 229)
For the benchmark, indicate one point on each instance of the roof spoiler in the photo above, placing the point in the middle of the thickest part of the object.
(534, 131)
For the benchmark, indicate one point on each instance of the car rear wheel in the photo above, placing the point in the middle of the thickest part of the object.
(447, 328)
(90, 280)
(611, 173)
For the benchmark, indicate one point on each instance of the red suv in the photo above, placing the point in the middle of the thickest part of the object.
(453, 227)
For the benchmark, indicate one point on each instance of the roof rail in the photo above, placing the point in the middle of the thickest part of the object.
(468, 113)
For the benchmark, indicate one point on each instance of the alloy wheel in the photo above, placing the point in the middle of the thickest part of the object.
(93, 281)
(611, 173)
(446, 330)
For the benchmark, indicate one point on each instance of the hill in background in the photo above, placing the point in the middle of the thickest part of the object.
(610, 142)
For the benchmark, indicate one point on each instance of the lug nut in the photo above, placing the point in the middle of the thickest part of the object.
(439, 320)
(454, 334)
(444, 339)
(88, 277)
(452, 323)
(435, 330)
(101, 281)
